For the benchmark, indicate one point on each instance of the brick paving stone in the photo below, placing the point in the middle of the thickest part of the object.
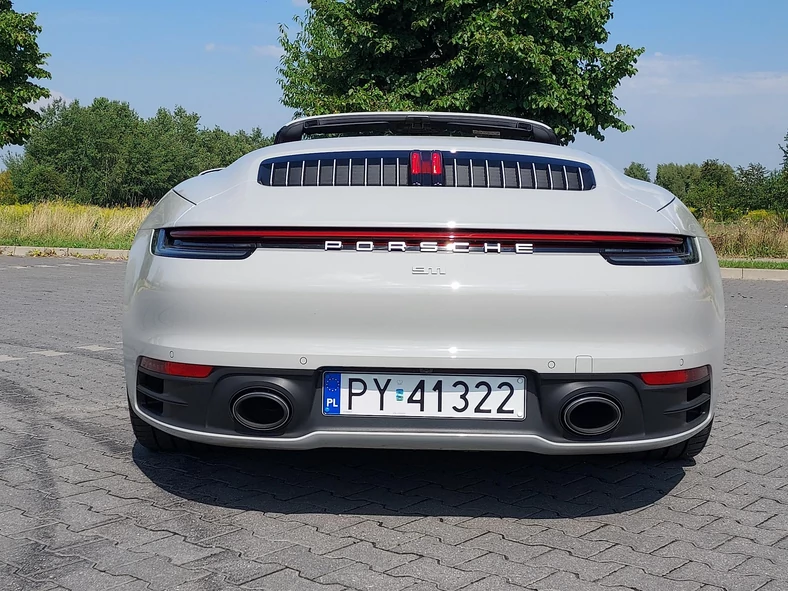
(15, 522)
(586, 569)
(126, 533)
(309, 537)
(376, 558)
(82, 575)
(651, 564)
(308, 564)
(562, 581)
(719, 560)
(761, 535)
(747, 548)
(745, 517)
(360, 576)
(636, 578)
(492, 583)
(516, 551)
(56, 536)
(575, 546)
(194, 529)
(760, 567)
(32, 558)
(445, 554)
(104, 554)
(159, 572)
(445, 577)
(639, 542)
(517, 573)
(739, 580)
(247, 544)
(382, 537)
(511, 529)
(177, 549)
(290, 580)
(78, 500)
(437, 527)
(232, 568)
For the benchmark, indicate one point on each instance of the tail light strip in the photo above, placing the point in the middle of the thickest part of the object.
(239, 243)
(384, 235)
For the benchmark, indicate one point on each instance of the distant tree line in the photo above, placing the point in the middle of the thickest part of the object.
(717, 190)
(106, 154)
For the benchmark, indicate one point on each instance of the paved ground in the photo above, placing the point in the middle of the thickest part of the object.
(82, 508)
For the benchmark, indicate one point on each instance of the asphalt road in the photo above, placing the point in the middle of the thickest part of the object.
(83, 508)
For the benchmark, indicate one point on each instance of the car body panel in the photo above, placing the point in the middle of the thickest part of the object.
(547, 313)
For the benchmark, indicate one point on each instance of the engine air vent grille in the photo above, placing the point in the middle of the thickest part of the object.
(460, 169)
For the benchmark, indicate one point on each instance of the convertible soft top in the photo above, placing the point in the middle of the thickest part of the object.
(418, 123)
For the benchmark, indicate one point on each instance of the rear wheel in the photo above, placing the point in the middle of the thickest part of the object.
(157, 440)
(685, 450)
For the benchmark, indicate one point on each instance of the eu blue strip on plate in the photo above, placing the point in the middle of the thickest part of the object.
(332, 388)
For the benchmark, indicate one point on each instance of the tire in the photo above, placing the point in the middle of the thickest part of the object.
(156, 440)
(686, 450)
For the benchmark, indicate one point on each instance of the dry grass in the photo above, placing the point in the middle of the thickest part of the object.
(757, 235)
(69, 225)
(753, 236)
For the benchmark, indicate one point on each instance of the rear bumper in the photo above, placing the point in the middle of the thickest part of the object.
(199, 410)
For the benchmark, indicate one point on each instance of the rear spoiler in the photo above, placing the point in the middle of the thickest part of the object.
(418, 123)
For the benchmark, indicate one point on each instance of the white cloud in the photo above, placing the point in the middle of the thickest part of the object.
(268, 50)
(45, 102)
(688, 109)
(689, 76)
(219, 48)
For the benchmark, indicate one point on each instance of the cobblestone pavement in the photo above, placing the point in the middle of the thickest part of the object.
(82, 508)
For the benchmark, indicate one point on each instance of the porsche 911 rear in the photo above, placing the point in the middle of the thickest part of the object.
(419, 291)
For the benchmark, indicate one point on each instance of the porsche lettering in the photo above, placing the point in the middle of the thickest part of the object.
(404, 246)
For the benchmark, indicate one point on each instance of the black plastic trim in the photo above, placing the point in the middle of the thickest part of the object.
(417, 124)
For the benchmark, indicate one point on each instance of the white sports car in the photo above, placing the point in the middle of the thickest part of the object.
(423, 280)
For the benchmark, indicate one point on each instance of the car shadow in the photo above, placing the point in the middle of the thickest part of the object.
(417, 483)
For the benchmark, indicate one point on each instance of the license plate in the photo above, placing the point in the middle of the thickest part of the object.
(410, 395)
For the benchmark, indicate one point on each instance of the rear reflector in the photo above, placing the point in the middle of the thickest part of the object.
(679, 376)
(173, 368)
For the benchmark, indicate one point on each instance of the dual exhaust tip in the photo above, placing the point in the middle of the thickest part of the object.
(588, 415)
(261, 410)
(591, 415)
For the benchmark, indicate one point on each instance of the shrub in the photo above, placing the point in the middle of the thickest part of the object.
(7, 194)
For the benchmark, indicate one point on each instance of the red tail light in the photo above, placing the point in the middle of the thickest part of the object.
(426, 168)
(437, 163)
(679, 376)
(415, 163)
(173, 368)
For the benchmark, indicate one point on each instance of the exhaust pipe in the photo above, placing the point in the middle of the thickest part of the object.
(261, 410)
(591, 415)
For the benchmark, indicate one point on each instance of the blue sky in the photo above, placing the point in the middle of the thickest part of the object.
(713, 82)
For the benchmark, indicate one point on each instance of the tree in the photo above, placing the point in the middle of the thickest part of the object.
(7, 194)
(636, 170)
(540, 59)
(106, 154)
(677, 178)
(714, 192)
(784, 150)
(20, 63)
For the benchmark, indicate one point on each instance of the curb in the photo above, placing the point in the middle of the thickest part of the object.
(754, 274)
(104, 253)
(48, 251)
